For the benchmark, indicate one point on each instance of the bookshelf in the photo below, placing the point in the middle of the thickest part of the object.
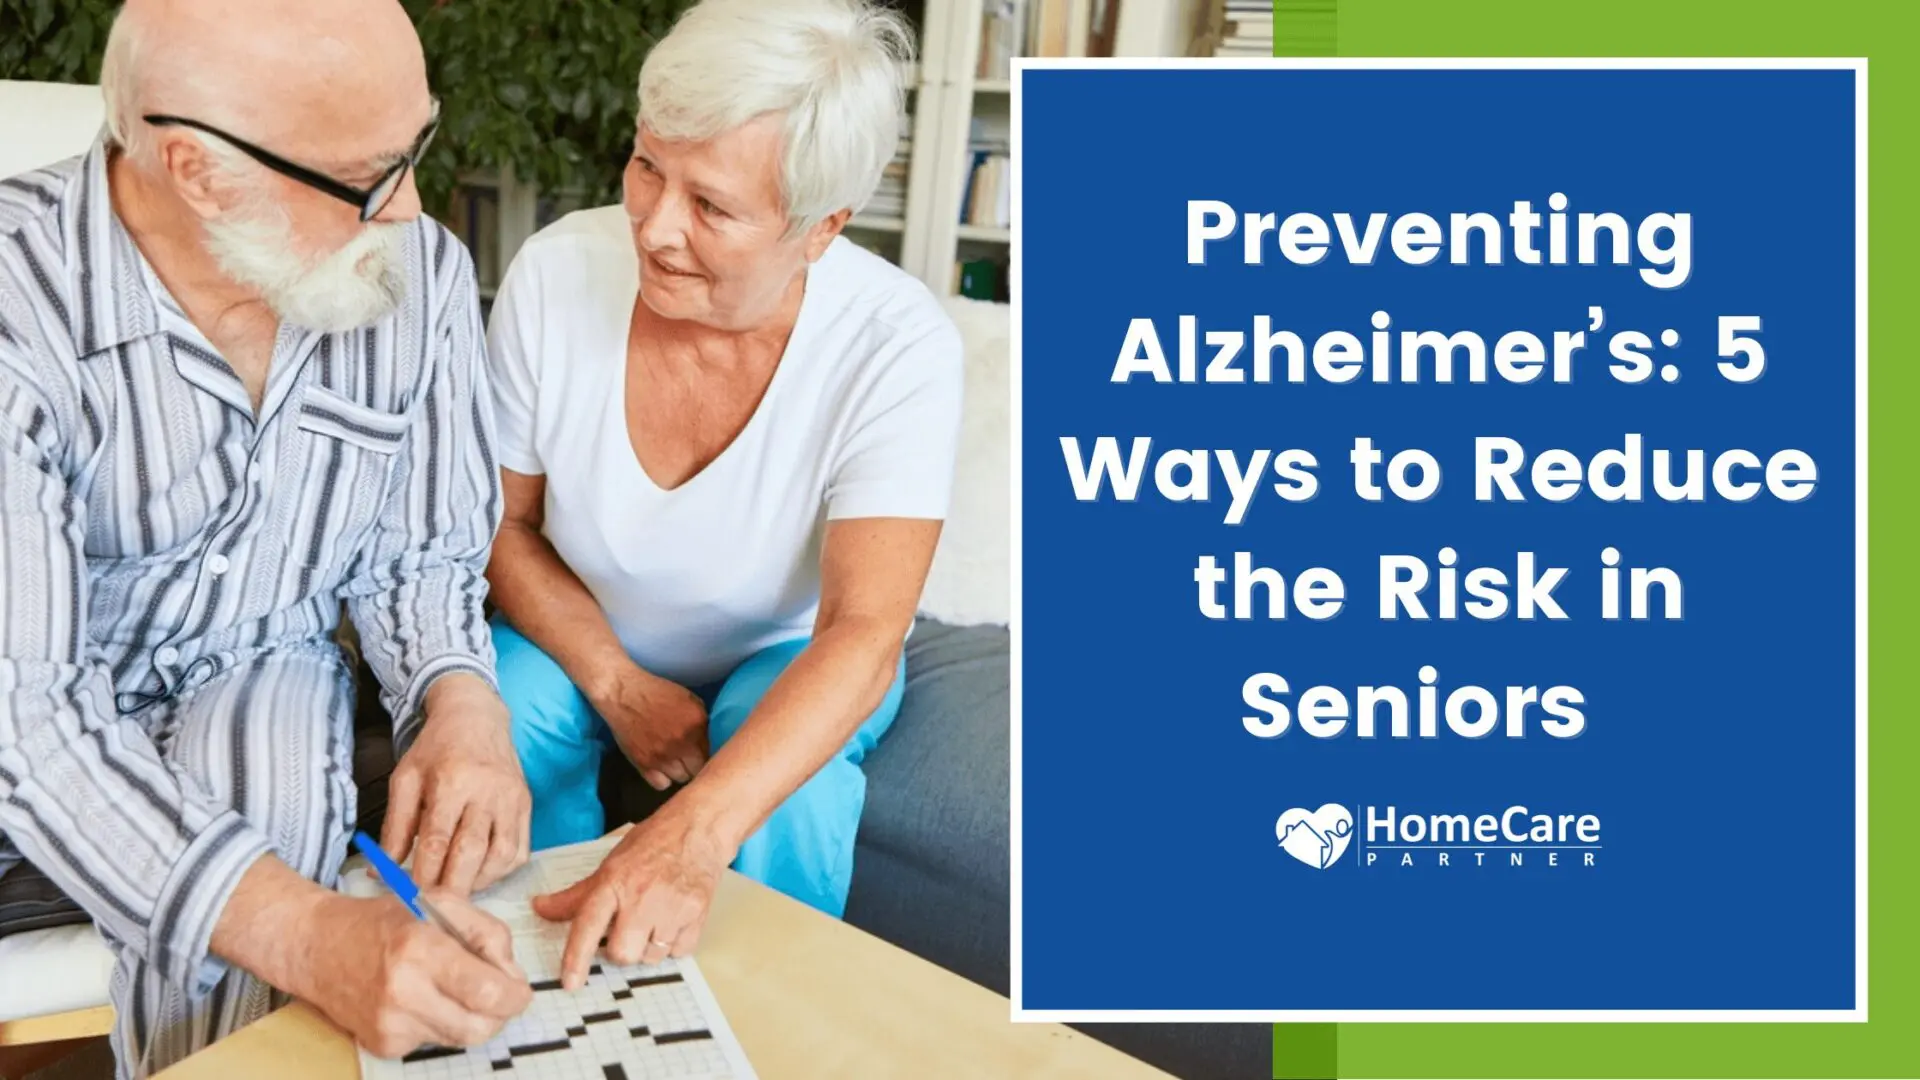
(1245, 27)
(493, 214)
(958, 232)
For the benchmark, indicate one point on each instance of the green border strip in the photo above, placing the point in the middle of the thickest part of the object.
(1885, 33)
(1306, 27)
(1306, 1051)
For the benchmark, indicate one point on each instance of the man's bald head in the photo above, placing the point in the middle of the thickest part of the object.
(334, 85)
(337, 86)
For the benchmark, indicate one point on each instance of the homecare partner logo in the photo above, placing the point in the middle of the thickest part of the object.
(1390, 836)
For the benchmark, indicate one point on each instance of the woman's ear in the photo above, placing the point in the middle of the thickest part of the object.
(824, 231)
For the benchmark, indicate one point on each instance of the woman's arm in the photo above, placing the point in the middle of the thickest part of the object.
(542, 598)
(871, 573)
(650, 897)
(659, 725)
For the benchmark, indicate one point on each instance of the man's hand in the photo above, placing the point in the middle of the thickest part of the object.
(396, 983)
(458, 800)
(660, 725)
(649, 898)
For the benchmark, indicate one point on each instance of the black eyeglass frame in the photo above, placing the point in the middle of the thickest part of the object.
(347, 193)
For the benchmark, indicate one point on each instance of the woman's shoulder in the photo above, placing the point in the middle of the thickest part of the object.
(884, 303)
(566, 287)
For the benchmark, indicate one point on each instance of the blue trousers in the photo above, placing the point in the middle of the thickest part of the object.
(805, 847)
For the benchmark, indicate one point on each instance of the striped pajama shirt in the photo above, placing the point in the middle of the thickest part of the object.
(173, 569)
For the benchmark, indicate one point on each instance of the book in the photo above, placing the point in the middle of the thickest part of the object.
(1002, 36)
(1047, 24)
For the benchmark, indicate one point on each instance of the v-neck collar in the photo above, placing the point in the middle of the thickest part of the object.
(813, 298)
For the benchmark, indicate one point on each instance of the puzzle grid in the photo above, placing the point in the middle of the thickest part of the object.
(639, 1022)
(633, 1022)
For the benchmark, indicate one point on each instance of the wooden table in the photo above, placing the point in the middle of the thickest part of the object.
(808, 995)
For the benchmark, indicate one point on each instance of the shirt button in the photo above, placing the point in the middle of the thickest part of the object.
(168, 655)
(218, 565)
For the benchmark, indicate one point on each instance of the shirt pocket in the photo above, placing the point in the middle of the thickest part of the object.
(331, 416)
(351, 450)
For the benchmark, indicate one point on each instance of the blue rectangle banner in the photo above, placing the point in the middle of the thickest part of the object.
(1440, 504)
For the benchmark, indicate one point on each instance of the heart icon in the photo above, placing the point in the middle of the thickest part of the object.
(1317, 838)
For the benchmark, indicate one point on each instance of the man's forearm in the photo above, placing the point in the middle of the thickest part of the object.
(260, 929)
(544, 600)
(806, 716)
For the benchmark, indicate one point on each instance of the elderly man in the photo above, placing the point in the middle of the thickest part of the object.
(241, 385)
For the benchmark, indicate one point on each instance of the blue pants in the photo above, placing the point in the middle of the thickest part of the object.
(805, 847)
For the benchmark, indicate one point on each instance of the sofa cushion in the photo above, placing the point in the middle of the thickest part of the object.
(968, 581)
(42, 123)
(53, 970)
(29, 901)
(930, 870)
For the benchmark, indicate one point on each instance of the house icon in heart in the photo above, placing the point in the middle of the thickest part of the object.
(1315, 837)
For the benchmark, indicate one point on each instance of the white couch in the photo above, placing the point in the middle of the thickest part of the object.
(41, 123)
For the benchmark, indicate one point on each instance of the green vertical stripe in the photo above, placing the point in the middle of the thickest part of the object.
(1306, 27)
(1305, 1051)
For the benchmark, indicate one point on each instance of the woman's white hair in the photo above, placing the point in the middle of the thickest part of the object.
(833, 69)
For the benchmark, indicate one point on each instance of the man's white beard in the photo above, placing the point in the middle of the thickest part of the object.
(350, 288)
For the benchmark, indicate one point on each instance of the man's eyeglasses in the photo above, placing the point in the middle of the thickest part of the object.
(370, 201)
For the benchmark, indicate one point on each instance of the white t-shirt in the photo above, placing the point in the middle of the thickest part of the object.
(861, 419)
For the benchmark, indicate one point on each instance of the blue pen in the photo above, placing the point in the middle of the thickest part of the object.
(409, 893)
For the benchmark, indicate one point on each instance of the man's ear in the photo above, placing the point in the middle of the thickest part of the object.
(824, 231)
(189, 167)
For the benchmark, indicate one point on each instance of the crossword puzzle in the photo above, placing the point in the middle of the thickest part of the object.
(640, 1022)
(629, 1022)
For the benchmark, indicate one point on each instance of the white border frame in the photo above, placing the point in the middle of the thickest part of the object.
(1857, 1014)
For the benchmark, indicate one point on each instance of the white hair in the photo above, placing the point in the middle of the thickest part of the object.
(832, 69)
(120, 84)
(130, 74)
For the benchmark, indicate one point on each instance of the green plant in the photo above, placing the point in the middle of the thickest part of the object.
(544, 88)
(53, 40)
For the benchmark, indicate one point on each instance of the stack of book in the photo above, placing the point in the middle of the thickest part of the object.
(989, 193)
(1249, 29)
(988, 199)
(890, 198)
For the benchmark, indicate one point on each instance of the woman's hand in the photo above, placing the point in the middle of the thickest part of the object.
(660, 725)
(649, 898)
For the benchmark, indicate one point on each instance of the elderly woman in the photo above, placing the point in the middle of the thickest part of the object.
(727, 437)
